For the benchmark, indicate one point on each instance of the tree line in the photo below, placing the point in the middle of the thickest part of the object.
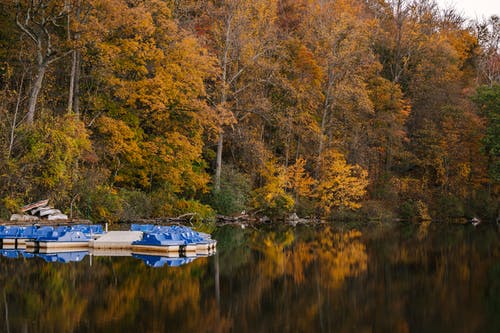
(121, 109)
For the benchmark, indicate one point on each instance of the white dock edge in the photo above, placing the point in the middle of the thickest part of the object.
(110, 252)
(116, 240)
(13, 241)
(62, 245)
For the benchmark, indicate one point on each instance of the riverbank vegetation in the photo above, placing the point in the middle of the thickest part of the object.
(123, 109)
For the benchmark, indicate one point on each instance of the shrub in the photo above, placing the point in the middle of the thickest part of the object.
(233, 196)
(201, 212)
(102, 205)
(271, 199)
(414, 210)
(136, 204)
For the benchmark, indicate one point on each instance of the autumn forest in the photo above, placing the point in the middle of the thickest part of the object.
(372, 109)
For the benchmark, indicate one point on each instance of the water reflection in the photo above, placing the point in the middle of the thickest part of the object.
(157, 261)
(64, 257)
(67, 256)
(311, 279)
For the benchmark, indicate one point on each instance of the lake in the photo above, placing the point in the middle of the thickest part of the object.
(322, 278)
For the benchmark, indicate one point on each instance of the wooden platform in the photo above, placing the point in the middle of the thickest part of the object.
(13, 241)
(56, 245)
(13, 247)
(116, 240)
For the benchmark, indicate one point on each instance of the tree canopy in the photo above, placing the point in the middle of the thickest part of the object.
(276, 106)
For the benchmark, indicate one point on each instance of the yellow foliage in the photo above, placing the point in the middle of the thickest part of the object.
(272, 198)
(340, 184)
(298, 179)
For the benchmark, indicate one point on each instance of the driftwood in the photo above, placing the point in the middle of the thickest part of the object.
(242, 220)
(188, 218)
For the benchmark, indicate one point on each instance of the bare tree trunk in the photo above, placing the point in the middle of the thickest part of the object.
(35, 90)
(218, 162)
(38, 24)
(72, 82)
(76, 93)
(322, 137)
(223, 100)
(16, 112)
(324, 119)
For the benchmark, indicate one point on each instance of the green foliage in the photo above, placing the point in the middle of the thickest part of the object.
(488, 101)
(408, 210)
(198, 210)
(48, 158)
(414, 210)
(448, 206)
(136, 205)
(484, 205)
(377, 211)
(234, 194)
(103, 204)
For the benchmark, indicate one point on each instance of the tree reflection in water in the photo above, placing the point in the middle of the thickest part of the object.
(311, 279)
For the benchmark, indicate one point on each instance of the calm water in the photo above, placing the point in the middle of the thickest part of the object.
(309, 279)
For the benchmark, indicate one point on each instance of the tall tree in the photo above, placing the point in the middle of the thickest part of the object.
(151, 77)
(488, 35)
(42, 21)
(338, 36)
(240, 34)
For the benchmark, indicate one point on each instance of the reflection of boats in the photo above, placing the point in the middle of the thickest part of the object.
(64, 257)
(160, 261)
(77, 255)
(110, 252)
(26, 254)
(10, 253)
(14, 253)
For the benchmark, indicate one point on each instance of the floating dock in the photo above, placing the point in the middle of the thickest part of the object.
(145, 239)
(116, 240)
(56, 245)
